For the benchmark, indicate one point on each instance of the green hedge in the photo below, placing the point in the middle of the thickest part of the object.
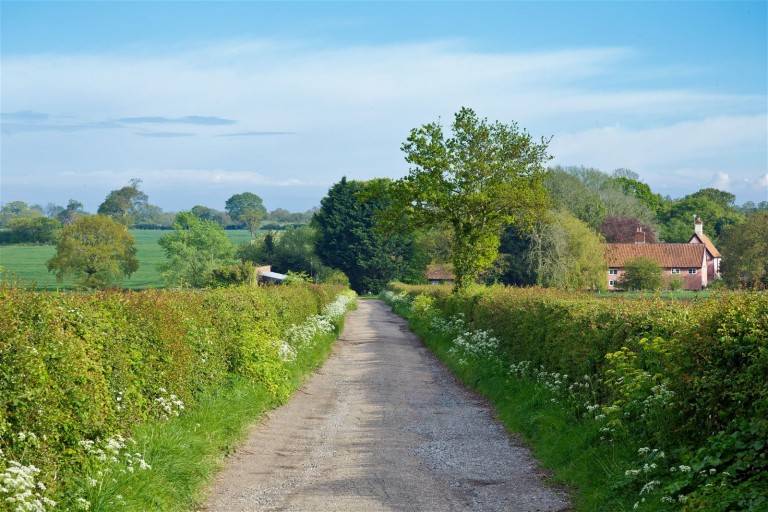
(77, 367)
(685, 378)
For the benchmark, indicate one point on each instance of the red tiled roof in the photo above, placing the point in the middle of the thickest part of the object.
(668, 255)
(442, 272)
(704, 239)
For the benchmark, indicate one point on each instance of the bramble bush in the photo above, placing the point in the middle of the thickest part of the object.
(676, 389)
(80, 371)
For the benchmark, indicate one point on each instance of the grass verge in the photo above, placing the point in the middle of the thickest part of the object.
(185, 452)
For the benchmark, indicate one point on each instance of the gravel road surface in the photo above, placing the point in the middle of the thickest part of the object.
(382, 426)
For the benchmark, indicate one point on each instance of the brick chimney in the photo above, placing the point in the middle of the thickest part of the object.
(698, 226)
(639, 235)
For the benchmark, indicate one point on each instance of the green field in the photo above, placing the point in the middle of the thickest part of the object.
(27, 263)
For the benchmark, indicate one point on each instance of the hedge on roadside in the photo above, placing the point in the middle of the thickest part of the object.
(77, 367)
(682, 377)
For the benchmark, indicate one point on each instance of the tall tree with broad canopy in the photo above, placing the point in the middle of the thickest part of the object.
(193, 250)
(247, 208)
(96, 250)
(483, 178)
(126, 204)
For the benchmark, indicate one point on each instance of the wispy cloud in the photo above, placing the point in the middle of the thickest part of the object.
(254, 134)
(165, 134)
(348, 109)
(195, 120)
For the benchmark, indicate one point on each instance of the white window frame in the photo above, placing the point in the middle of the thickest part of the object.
(692, 271)
(611, 283)
(613, 272)
(675, 271)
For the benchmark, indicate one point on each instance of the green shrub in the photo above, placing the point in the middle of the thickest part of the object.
(667, 385)
(78, 368)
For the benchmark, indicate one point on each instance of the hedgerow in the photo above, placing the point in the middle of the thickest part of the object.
(78, 372)
(677, 390)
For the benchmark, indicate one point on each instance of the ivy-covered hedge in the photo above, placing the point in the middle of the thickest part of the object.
(681, 378)
(77, 367)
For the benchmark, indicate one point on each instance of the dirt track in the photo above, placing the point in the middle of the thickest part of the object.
(382, 427)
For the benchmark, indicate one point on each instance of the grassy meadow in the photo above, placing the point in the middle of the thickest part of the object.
(27, 263)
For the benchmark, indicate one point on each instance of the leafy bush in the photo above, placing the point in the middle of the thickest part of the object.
(77, 369)
(678, 386)
(641, 273)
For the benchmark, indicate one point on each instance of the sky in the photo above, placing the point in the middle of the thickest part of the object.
(203, 100)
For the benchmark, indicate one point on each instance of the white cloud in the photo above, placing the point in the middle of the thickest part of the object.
(349, 109)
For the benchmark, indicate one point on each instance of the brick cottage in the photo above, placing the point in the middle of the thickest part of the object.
(697, 263)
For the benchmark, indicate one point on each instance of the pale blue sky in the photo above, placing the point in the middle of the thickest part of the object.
(202, 100)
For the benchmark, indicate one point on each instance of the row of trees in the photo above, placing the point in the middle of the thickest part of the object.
(24, 224)
(479, 198)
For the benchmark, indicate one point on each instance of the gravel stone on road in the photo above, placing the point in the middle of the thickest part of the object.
(382, 426)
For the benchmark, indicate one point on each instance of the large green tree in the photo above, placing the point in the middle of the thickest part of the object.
(566, 253)
(477, 181)
(247, 208)
(745, 252)
(129, 205)
(96, 250)
(193, 250)
(347, 238)
(715, 207)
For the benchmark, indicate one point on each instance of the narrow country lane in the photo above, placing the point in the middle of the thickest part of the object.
(382, 427)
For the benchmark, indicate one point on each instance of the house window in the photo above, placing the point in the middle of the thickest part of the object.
(613, 271)
(692, 270)
(611, 283)
(675, 270)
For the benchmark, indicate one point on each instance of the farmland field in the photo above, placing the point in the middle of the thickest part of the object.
(27, 263)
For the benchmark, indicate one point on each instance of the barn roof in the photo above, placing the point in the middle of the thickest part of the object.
(668, 255)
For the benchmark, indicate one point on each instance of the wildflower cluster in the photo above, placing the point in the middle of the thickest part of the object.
(106, 461)
(396, 299)
(19, 489)
(168, 405)
(301, 335)
(477, 345)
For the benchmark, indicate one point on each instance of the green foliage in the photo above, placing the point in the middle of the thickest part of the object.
(247, 208)
(745, 252)
(347, 238)
(80, 368)
(567, 254)
(288, 250)
(129, 205)
(569, 192)
(96, 250)
(673, 393)
(641, 273)
(483, 178)
(640, 190)
(715, 208)
(31, 230)
(193, 250)
(19, 210)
